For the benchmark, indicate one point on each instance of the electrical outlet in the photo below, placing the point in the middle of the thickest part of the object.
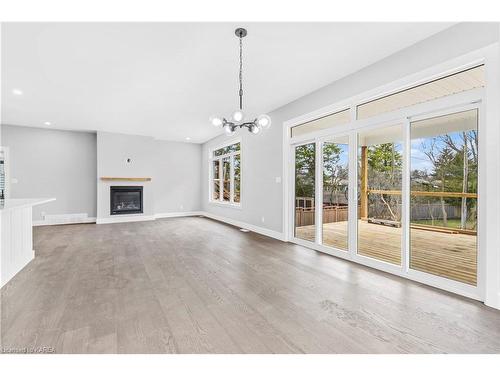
(182, 206)
(263, 219)
(278, 179)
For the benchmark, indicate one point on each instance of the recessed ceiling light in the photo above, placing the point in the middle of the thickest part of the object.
(17, 92)
(188, 139)
(48, 123)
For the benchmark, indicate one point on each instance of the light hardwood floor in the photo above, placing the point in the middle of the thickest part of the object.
(193, 285)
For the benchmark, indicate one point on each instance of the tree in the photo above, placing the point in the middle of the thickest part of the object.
(335, 174)
(466, 145)
(305, 170)
(454, 160)
(441, 159)
(385, 164)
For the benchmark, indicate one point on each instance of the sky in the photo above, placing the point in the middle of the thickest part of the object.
(420, 161)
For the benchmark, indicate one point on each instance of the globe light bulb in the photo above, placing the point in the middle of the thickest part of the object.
(255, 129)
(238, 115)
(216, 121)
(264, 121)
(229, 129)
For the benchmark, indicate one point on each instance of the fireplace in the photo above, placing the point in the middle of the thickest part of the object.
(125, 200)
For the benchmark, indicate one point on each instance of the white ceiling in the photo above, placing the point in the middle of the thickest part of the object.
(166, 79)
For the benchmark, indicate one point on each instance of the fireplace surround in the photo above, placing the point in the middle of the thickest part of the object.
(126, 200)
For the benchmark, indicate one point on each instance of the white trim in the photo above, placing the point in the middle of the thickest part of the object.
(229, 142)
(254, 228)
(353, 195)
(87, 220)
(124, 219)
(406, 195)
(318, 191)
(489, 138)
(285, 182)
(177, 214)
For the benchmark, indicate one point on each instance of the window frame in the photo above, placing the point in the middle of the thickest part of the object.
(219, 158)
(487, 56)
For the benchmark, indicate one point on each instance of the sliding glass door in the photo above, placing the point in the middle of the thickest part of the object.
(444, 182)
(305, 180)
(380, 171)
(401, 196)
(335, 205)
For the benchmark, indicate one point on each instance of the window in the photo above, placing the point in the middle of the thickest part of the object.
(452, 84)
(225, 176)
(326, 122)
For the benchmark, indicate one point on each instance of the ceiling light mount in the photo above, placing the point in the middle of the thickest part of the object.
(240, 32)
(238, 117)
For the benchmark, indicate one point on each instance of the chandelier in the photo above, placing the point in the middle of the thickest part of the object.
(238, 119)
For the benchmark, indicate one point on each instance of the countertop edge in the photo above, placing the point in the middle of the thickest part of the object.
(23, 203)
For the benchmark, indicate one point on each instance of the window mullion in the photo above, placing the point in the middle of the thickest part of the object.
(221, 181)
(231, 178)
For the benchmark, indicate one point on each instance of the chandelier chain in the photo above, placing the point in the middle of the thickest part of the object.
(241, 73)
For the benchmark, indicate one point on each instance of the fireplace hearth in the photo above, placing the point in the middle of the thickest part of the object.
(126, 200)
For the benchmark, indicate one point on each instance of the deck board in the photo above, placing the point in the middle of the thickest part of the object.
(451, 255)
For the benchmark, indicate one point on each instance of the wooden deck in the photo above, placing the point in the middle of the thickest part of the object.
(453, 256)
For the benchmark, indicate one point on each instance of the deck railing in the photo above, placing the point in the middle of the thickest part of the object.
(331, 214)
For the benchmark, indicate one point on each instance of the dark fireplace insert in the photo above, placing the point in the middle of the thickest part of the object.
(126, 200)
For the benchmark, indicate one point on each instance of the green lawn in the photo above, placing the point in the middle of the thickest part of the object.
(452, 223)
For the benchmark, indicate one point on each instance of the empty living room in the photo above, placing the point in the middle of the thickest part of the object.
(215, 186)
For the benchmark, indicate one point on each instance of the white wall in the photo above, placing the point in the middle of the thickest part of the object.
(177, 177)
(52, 163)
(262, 155)
(174, 168)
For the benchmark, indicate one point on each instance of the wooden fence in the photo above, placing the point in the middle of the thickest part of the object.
(331, 214)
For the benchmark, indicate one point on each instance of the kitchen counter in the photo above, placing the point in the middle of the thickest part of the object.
(16, 236)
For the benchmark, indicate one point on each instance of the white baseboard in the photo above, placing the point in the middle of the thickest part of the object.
(254, 228)
(62, 221)
(178, 214)
(124, 219)
(493, 302)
